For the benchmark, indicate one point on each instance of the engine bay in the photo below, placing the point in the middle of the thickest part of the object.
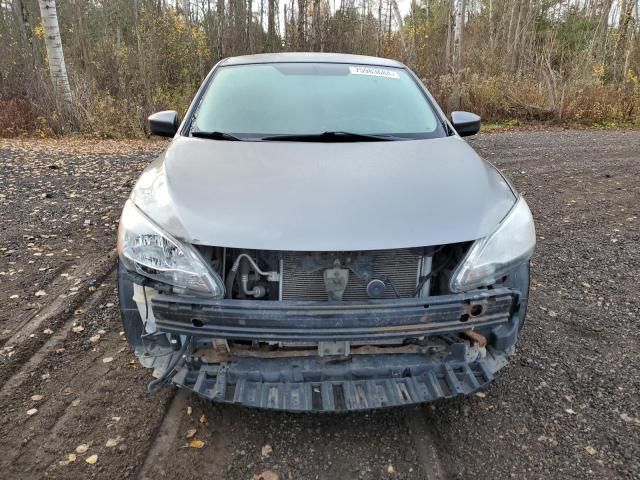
(334, 276)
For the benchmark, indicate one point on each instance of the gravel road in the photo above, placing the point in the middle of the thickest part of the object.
(73, 400)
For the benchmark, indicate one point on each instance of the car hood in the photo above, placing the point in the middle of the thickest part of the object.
(323, 196)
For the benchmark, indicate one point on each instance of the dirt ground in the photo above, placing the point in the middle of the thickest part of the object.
(71, 392)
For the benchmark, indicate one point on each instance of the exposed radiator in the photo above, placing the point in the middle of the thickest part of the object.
(401, 267)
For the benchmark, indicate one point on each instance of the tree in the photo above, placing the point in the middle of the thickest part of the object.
(526, 59)
(396, 13)
(55, 55)
(626, 16)
(271, 24)
(457, 34)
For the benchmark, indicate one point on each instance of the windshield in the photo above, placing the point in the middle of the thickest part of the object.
(263, 100)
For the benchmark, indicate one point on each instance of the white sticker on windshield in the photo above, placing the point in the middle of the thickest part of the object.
(374, 72)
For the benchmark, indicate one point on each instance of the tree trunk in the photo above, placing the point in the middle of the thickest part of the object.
(396, 13)
(491, 39)
(447, 47)
(55, 55)
(21, 20)
(599, 38)
(271, 24)
(457, 34)
(515, 47)
(186, 8)
(512, 16)
(25, 26)
(379, 28)
(302, 15)
(316, 25)
(261, 14)
(220, 11)
(82, 35)
(249, 25)
(626, 11)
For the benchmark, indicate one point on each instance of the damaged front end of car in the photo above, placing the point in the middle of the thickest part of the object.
(324, 331)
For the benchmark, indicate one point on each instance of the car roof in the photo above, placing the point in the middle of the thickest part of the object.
(311, 57)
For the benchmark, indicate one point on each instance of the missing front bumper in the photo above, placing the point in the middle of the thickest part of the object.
(404, 368)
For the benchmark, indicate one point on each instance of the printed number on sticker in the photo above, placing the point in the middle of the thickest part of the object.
(373, 72)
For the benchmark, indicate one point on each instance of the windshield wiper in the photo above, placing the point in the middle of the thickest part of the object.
(332, 137)
(215, 135)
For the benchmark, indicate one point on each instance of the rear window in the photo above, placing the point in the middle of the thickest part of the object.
(312, 98)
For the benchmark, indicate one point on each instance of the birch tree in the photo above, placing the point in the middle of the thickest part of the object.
(55, 55)
(457, 34)
(396, 14)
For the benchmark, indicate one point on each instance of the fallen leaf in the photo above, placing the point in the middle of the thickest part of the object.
(78, 329)
(75, 402)
(14, 296)
(190, 433)
(32, 411)
(92, 459)
(570, 411)
(481, 394)
(630, 419)
(82, 448)
(195, 444)
(391, 469)
(107, 360)
(203, 419)
(116, 419)
(266, 475)
(549, 440)
(266, 451)
(189, 410)
(112, 442)
(40, 293)
(72, 457)
(48, 331)
(37, 398)
(94, 339)
(590, 450)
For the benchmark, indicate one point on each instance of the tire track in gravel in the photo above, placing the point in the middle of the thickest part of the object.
(55, 410)
(425, 442)
(164, 438)
(25, 340)
(82, 395)
(52, 343)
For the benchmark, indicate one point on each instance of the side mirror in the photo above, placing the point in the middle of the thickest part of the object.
(164, 124)
(465, 123)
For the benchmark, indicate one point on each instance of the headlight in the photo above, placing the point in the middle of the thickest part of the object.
(492, 257)
(144, 248)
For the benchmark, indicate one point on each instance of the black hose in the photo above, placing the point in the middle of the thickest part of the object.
(155, 384)
(231, 278)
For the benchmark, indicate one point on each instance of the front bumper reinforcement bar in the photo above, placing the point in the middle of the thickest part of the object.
(298, 321)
